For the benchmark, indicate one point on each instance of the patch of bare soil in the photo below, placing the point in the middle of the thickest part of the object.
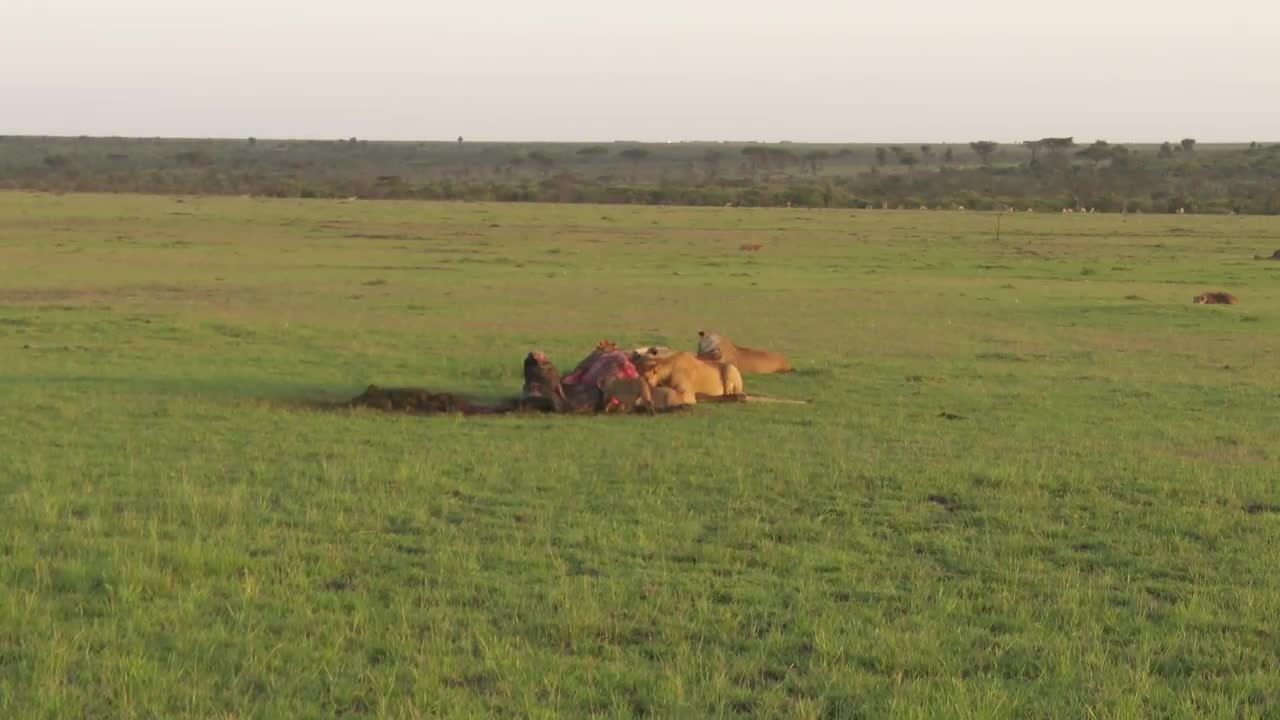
(413, 400)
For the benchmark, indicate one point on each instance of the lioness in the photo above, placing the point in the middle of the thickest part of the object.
(651, 350)
(1215, 298)
(713, 346)
(690, 376)
(626, 394)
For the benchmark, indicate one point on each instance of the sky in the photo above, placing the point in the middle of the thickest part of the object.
(658, 70)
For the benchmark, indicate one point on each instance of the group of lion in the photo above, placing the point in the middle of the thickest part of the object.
(670, 379)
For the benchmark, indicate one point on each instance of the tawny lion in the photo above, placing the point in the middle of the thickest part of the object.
(690, 376)
(626, 394)
(1215, 298)
(713, 346)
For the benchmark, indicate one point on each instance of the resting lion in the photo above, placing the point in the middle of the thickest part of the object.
(689, 376)
(713, 346)
(626, 394)
(1215, 298)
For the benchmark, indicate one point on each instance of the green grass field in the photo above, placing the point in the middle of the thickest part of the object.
(1091, 529)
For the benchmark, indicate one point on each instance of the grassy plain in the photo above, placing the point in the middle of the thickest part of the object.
(1090, 530)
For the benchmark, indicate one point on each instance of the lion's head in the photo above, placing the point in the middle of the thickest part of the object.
(709, 343)
(650, 366)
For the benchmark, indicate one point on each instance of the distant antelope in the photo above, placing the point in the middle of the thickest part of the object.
(1182, 211)
(1067, 211)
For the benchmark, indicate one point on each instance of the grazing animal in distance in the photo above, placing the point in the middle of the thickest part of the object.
(714, 346)
(1215, 298)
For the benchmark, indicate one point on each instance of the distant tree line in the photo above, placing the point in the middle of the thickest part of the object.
(1044, 174)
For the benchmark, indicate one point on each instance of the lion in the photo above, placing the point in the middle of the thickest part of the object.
(1215, 298)
(690, 376)
(650, 350)
(665, 399)
(626, 394)
(713, 346)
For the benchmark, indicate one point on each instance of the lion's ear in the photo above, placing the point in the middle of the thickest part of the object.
(702, 333)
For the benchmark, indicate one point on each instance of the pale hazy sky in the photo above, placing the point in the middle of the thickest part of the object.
(596, 70)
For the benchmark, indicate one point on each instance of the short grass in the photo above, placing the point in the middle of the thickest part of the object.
(1035, 481)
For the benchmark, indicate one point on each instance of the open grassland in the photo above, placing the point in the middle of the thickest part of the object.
(1035, 480)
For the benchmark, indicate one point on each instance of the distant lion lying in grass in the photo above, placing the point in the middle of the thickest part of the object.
(1215, 298)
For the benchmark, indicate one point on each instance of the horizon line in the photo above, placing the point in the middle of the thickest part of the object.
(616, 141)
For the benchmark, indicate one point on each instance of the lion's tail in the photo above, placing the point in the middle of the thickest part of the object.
(778, 400)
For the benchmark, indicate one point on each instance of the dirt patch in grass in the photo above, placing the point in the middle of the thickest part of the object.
(950, 504)
(412, 400)
(418, 401)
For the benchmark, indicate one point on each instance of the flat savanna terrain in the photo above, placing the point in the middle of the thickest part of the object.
(1035, 480)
